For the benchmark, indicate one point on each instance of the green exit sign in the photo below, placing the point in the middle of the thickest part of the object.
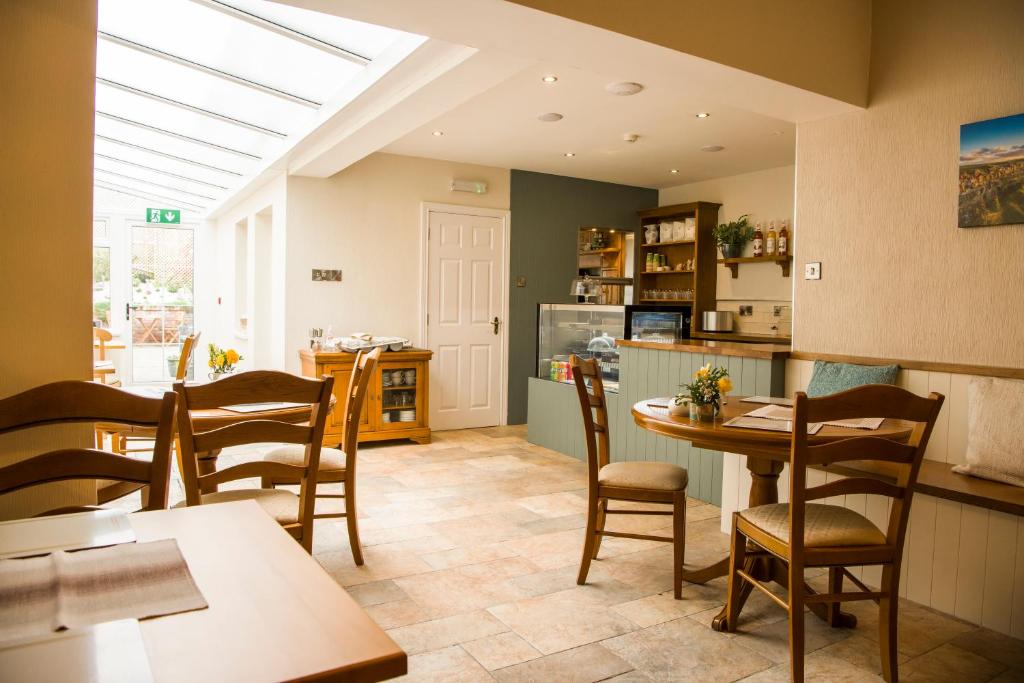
(163, 216)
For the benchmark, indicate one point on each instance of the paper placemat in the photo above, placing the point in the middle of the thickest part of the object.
(774, 400)
(768, 424)
(260, 407)
(71, 590)
(775, 412)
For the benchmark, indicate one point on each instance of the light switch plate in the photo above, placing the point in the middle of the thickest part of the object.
(812, 271)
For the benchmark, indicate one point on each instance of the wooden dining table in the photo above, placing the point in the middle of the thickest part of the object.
(767, 452)
(274, 614)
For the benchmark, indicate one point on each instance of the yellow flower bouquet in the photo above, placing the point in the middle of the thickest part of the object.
(706, 390)
(222, 361)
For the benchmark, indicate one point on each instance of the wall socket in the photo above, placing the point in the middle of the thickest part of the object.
(812, 271)
(746, 310)
(521, 281)
(321, 275)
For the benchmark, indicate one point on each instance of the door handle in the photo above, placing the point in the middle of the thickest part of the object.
(496, 322)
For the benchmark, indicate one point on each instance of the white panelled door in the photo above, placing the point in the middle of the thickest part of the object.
(465, 318)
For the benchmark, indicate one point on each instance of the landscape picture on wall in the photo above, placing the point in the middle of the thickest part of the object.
(992, 172)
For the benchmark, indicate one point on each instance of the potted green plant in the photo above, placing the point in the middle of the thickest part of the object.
(732, 236)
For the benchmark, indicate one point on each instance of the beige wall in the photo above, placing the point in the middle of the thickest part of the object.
(821, 46)
(366, 222)
(766, 196)
(46, 109)
(877, 196)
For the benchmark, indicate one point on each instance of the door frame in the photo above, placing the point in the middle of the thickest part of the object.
(426, 208)
(128, 224)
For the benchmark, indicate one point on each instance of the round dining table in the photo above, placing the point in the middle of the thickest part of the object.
(767, 452)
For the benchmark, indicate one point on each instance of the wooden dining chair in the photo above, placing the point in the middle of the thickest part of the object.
(805, 534)
(79, 401)
(120, 437)
(103, 369)
(337, 466)
(293, 512)
(644, 482)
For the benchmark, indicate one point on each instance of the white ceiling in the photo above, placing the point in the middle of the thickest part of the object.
(500, 128)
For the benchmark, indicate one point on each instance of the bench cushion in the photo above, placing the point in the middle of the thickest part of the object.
(831, 378)
(995, 440)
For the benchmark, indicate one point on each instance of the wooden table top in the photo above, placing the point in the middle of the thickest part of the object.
(719, 348)
(274, 613)
(756, 442)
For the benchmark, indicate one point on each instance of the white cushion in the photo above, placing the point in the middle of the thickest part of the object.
(995, 440)
(331, 459)
(282, 505)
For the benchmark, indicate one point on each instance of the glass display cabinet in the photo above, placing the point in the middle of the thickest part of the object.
(586, 330)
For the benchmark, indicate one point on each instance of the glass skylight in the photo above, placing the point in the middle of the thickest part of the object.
(193, 95)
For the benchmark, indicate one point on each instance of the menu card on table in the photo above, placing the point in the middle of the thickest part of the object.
(771, 425)
(773, 412)
(40, 535)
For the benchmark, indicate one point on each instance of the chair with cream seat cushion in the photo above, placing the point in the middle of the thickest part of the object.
(336, 466)
(644, 482)
(293, 512)
(804, 534)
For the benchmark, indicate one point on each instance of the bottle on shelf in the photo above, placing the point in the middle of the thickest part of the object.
(769, 247)
(758, 240)
(783, 245)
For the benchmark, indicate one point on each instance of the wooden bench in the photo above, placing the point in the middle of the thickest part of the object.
(939, 480)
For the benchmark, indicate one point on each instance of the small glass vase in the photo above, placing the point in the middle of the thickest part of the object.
(220, 374)
(706, 412)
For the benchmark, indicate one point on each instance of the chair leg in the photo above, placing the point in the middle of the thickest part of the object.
(602, 507)
(589, 539)
(352, 519)
(796, 620)
(678, 541)
(737, 559)
(887, 621)
(835, 585)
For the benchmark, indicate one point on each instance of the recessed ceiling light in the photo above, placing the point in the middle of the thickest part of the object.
(712, 148)
(550, 78)
(703, 115)
(624, 88)
(550, 117)
(437, 133)
(570, 154)
(673, 170)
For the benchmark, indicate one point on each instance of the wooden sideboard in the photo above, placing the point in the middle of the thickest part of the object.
(393, 409)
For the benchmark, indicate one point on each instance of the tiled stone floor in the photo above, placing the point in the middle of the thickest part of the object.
(472, 545)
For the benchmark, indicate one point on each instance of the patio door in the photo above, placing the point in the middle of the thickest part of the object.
(159, 312)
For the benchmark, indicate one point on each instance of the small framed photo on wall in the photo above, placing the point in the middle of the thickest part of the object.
(992, 172)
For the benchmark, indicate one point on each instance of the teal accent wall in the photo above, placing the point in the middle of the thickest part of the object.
(547, 213)
(556, 422)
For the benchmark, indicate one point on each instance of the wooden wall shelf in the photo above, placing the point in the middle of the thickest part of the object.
(733, 264)
(702, 278)
(654, 245)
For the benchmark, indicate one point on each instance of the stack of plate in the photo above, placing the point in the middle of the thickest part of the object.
(407, 416)
(386, 378)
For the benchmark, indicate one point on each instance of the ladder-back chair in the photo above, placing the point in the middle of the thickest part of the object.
(805, 534)
(644, 482)
(78, 401)
(338, 466)
(294, 513)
